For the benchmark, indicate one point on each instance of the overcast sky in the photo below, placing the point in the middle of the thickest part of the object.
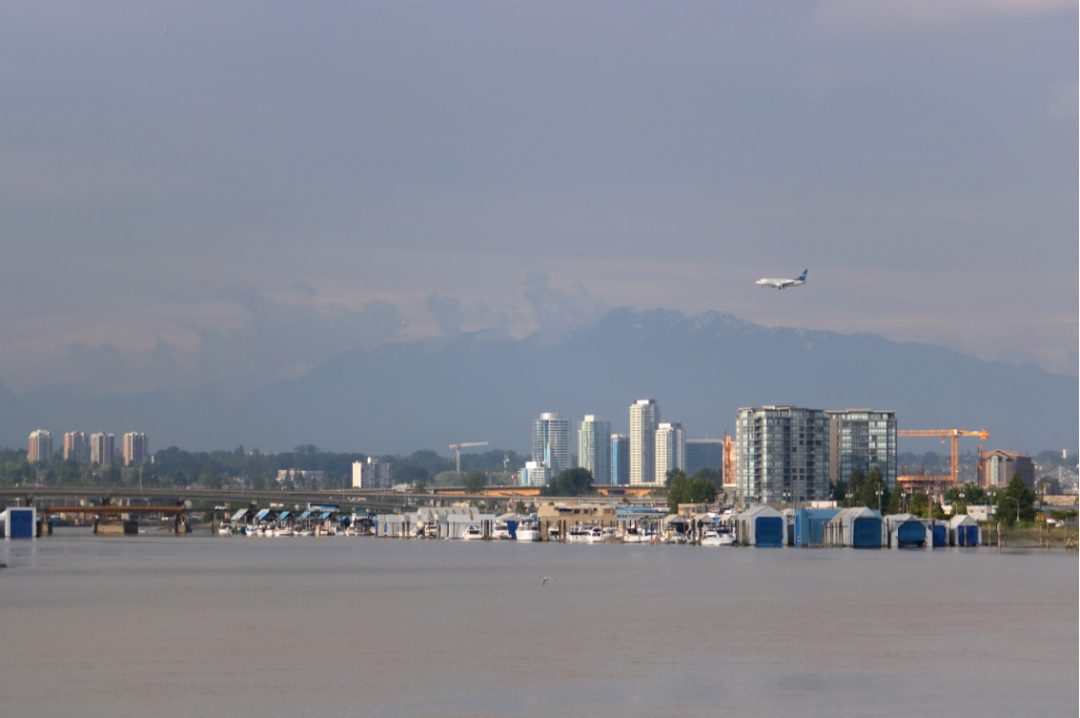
(239, 190)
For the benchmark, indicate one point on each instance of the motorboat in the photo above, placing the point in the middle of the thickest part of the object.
(674, 537)
(553, 532)
(579, 534)
(224, 529)
(473, 533)
(633, 536)
(717, 538)
(501, 531)
(251, 530)
(283, 531)
(528, 531)
(611, 535)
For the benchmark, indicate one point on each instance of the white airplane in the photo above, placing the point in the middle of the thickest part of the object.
(783, 283)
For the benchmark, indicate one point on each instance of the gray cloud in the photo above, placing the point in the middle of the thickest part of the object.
(557, 312)
(658, 154)
(446, 311)
(278, 340)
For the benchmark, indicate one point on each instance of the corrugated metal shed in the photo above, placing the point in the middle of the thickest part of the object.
(809, 525)
(856, 527)
(761, 526)
(963, 531)
(905, 530)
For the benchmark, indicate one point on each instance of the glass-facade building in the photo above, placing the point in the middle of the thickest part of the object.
(862, 439)
(781, 455)
(551, 442)
(594, 448)
(620, 460)
(704, 454)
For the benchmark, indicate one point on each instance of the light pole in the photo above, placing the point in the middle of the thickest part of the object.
(1017, 508)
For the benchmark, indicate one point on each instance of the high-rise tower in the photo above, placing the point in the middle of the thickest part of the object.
(136, 448)
(551, 442)
(644, 417)
(102, 448)
(670, 449)
(594, 448)
(40, 447)
(782, 455)
(620, 460)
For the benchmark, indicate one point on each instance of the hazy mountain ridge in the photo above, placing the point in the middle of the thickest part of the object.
(429, 393)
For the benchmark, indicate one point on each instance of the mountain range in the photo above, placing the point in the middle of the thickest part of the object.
(399, 397)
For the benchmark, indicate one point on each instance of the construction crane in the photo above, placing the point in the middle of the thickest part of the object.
(457, 448)
(954, 434)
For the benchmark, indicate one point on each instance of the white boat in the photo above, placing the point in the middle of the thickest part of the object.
(717, 538)
(528, 531)
(473, 533)
(633, 536)
(611, 535)
(251, 530)
(553, 532)
(579, 534)
(674, 537)
(224, 529)
(283, 531)
(501, 531)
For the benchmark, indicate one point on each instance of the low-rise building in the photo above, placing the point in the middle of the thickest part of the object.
(999, 467)
(372, 474)
(566, 516)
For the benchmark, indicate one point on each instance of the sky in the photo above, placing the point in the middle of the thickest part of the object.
(233, 192)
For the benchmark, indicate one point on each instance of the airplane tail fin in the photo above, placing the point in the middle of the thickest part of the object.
(802, 277)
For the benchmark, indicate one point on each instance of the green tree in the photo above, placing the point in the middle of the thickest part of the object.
(475, 482)
(520, 508)
(714, 477)
(839, 492)
(896, 499)
(1016, 499)
(919, 504)
(866, 493)
(689, 491)
(854, 485)
(570, 482)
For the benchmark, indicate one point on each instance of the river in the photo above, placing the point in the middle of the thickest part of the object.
(199, 625)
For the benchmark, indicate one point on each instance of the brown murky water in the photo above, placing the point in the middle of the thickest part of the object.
(157, 625)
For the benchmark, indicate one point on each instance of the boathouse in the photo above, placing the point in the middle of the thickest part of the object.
(937, 532)
(761, 526)
(963, 531)
(905, 531)
(809, 526)
(19, 522)
(856, 527)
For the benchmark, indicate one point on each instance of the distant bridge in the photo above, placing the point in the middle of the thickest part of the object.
(372, 500)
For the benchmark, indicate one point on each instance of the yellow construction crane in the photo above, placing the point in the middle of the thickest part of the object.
(954, 434)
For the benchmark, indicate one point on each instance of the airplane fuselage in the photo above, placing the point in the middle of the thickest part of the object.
(769, 283)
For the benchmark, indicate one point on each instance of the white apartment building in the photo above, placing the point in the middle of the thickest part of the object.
(40, 447)
(670, 449)
(77, 446)
(102, 448)
(372, 474)
(535, 473)
(136, 448)
(644, 418)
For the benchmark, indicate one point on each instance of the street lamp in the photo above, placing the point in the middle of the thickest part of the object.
(1017, 508)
